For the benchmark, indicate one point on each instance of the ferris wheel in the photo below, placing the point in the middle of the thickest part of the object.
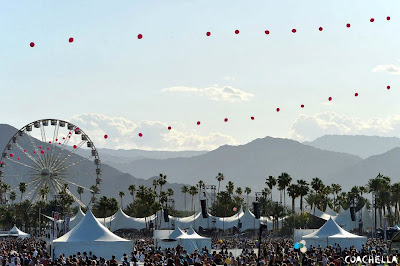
(49, 156)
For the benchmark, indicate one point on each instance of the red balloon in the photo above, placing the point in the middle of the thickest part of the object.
(320, 29)
(59, 143)
(11, 155)
(1, 162)
(169, 128)
(71, 39)
(388, 87)
(226, 119)
(32, 44)
(237, 31)
(140, 36)
(75, 146)
(267, 32)
(34, 151)
(372, 20)
(387, 18)
(42, 151)
(252, 118)
(302, 106)
(69, 137)
(330, 98)
(63, 137)
(208, 33)
(356, 94)
(348, 25)
(49, 142)
(277, 109)
(198, 122)
(18, 158)
(105, 136)
(48, 149)
(294, 30)
(24, 150)
(140, 135)
(40, 147)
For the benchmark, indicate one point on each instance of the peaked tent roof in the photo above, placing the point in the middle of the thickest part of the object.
(15, 230)
(329, 211)
(329, 229)
(89, 229)
(177, 233)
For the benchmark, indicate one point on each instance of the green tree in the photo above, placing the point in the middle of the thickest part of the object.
(185, 190)
(271, 182)
(283, 182)
(193, 191)
(13, 196)
(121, 194)
(22, 188)
(230, 187)
(293, 192)
(247, 190)
(318, 186)
(303, 191)
(132, 190)
(80, 191)
(220, 177)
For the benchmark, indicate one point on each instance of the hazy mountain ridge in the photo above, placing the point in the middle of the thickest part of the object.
(362, 146)
(249, 164)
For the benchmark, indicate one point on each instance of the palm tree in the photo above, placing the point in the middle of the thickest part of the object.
(220, 177)
(80, 191)
(185, 190)
(170, 193)
(239, 193)
(271, 182)
(318, 186)
(247, 190)
(193, 191)
(230, 187)
(22, 188)
(132, 190)
(336, 189)
(162, 181)
(121, 194)
(155, 184)
(395, 189)
(13, 196)
(293, 192)
(303, 191)
(44, 191)
(283, 182)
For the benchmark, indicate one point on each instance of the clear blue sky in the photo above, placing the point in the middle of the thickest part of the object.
(107, 71)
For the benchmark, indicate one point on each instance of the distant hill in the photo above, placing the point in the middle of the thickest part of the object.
(359, 174)
(362, 146)
(249, 164)
(120, 159)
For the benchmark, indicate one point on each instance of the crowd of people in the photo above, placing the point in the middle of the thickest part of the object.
(229, 251)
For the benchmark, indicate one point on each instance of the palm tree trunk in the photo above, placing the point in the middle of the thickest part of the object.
(301, 203)
(185, 202)
(280, 196)
(293, 204)
(219, 184)
(192, 202)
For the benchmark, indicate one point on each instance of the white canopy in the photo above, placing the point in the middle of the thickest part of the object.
(190, 242)
(331, 233)
(91, 235)
(18, 233)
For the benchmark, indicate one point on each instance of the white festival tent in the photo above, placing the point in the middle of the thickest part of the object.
(18, 233)
(121, 220)
(189, 242)
(331, 233)
(320, 214)
(90, 235)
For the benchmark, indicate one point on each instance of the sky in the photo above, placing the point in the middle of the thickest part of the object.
(109, 82)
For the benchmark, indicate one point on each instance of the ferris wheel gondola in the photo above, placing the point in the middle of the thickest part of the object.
(50, 156)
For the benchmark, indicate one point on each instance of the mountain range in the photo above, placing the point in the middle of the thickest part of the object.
(347, 160)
